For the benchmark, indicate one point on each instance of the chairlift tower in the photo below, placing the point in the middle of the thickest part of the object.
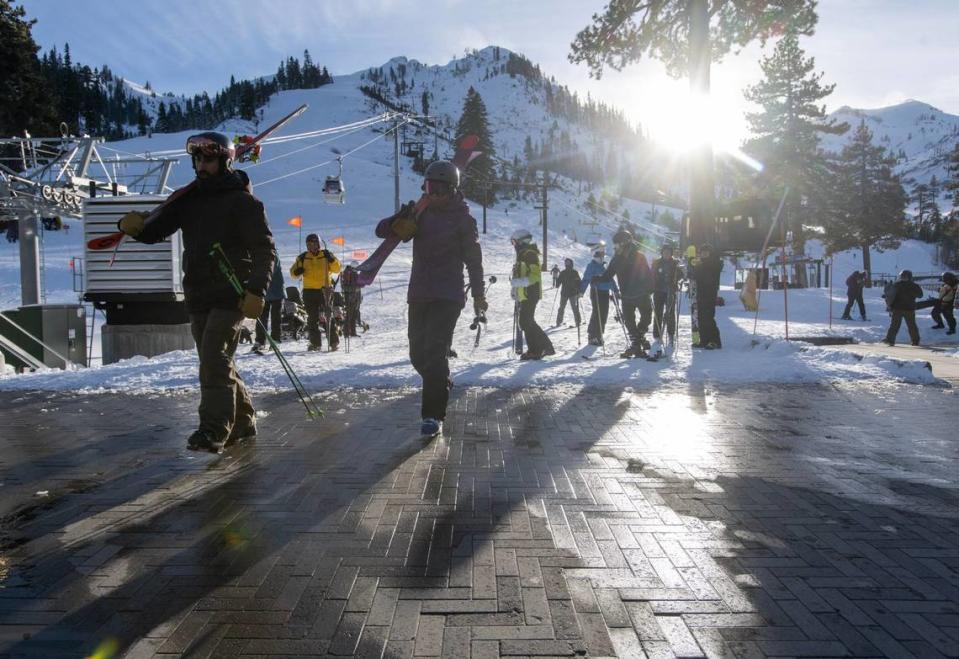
(44, 176)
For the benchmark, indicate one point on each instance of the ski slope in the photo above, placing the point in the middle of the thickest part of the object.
(289, 178)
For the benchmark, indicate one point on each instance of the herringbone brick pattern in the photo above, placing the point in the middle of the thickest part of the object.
(751, 522)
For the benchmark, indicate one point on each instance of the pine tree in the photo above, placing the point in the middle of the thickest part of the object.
(473, 121)
(869, 202)
(952, 183)
(920, 195)
(26, 103)
(787, 132)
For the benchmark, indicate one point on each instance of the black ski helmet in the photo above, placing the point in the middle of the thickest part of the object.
(622, 236)
(668, 245)
(445, 172)
(212, 143)
(905, 275)
(949, 278)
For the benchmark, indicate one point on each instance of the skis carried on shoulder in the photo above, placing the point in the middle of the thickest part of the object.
(246, 147)
(368, 269)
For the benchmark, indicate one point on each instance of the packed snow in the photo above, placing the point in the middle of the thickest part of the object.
(288, 180)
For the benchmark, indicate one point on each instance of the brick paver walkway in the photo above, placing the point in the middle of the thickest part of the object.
(749, 522)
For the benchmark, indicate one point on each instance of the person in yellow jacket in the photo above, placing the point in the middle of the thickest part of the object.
(316, 267)
(527, 288)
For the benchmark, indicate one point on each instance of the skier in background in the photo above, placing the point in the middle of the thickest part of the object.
(445, 239)
(635, 280)
(665, 278)
(598, 295)
(272, 311)
(901, 299)
(706, 269)
(352, 297)
(945, 302)
(528, 289)
(568, 281)
(222, 209)
(854, 285)
(555, 273)
(317, 267)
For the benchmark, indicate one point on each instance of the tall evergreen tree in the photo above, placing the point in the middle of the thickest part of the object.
(474, 121)
(868, 203)
(952, 183)
(787, 132)
(26, 99)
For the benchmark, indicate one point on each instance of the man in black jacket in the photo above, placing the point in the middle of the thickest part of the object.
(568, 281)
(635, 280)
(221, 209)
(901, 299)
(706, 270)
(854, 285)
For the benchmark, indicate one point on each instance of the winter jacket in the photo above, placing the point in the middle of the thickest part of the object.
(527, 281)
(569, 282)
(277, 289)
(854, 284)
(706, 273)
(594, 269)
(665, 274)
(901, 296)
(632, 272)
(316, 269)
(446, 239)
(947, 295)
(219, 210)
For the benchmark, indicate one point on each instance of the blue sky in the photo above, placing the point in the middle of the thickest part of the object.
(878, 52)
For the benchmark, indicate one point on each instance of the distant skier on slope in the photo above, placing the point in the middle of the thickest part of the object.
(445, 239)
(221, 209)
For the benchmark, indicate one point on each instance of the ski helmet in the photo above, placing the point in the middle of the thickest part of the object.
(599, 250)
(521, 237)
(622, 236)
(667, 245)
(443, 171)
(949, 278)
(212, 143)
(905, 275)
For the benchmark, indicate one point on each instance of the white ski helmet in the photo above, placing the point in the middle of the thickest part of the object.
(599, 250)
(521, 237)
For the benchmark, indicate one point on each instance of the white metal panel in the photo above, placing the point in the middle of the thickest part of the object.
(138, 268)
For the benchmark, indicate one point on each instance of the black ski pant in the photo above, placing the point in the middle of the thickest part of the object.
(431, 335)
(318, 301)
(944, 310)
(899, 315)
(706, 313)
(271, 317)
(597, 320)
(637, 331)
(854, 299)
(225, 405)
(536, 340)
(573, 301)
(660, 306)
(352, 300)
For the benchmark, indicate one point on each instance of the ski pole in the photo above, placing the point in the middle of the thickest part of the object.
(599, 318)
(579, 334)
(622, 321)
(553, 305)
(223, 263)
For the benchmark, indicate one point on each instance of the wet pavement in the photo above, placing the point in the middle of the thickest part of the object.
(772, 521)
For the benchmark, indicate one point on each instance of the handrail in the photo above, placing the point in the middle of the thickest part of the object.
(20, 353)
(66, 362)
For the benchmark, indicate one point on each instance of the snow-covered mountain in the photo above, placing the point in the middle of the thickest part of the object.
(919, 135)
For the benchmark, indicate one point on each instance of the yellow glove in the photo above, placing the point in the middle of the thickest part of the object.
(132, 223)
(251, 305)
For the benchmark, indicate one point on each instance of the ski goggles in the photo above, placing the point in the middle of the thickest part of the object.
(204, 146)
(435, 187)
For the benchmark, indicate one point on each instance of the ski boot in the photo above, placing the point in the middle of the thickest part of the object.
(257, 349)
(529, 355)
(549, 352)
(595, 342)
(431, 427)
(241, 434)
(314, 347)
(201, 440)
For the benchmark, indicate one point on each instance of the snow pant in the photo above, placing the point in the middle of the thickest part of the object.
(352, 317)
(536, 340)
(225, 405)
(637, 331)
(706, 313)
(944, 310)
(430, 334)
(271, 315)
(573, 303)
(854, 299)
(660, 306)
(597, 320)
(317, 301)
(898, 315)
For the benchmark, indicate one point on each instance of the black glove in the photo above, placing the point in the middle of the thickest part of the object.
(328, 255)
(298, 271)
(480, 305)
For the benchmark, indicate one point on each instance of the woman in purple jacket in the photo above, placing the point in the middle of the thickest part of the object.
(444, 240)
